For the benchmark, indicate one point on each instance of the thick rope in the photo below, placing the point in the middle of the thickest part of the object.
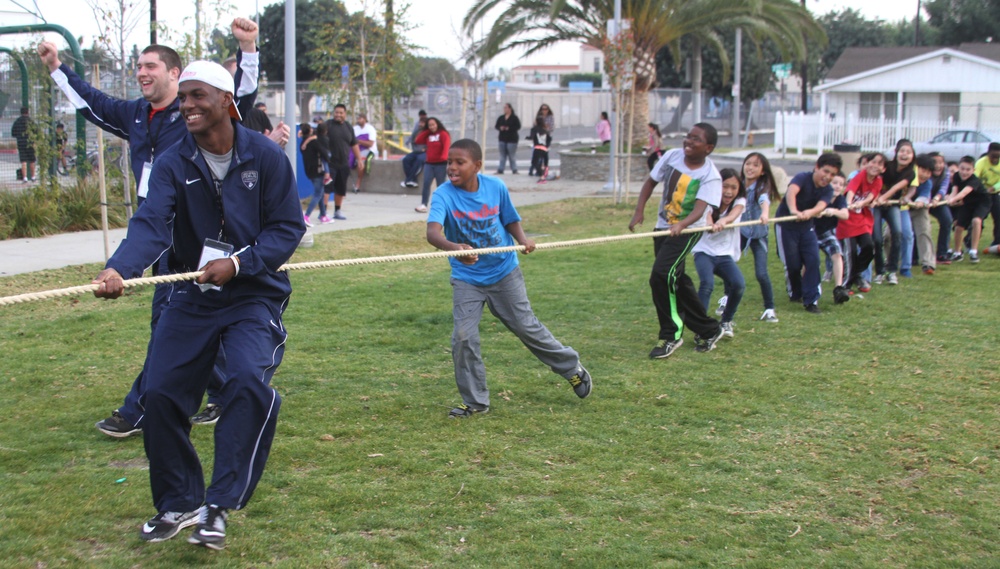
(163, 279)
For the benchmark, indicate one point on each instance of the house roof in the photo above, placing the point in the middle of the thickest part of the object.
(858, 60)
(545, 68)
(860, 63)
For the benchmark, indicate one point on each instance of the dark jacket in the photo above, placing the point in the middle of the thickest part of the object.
(130, 119)
(513, 125)
(258, 213)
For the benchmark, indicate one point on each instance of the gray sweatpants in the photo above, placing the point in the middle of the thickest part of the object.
(508, 301)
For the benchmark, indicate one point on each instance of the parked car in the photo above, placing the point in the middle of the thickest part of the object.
(954, 144)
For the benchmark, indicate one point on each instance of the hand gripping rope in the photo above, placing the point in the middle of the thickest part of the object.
(163, 279)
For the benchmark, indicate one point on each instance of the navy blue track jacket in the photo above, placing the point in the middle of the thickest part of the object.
(259, 205)
(130, 119)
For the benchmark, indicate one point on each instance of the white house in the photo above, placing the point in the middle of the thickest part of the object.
(875, 95)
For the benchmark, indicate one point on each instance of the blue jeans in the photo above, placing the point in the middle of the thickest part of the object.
(508, 151)
(890, 214)
(943, 215)
(317, 197)
(759, 248)
(413, 163)
(434, 172)
(906, 241)
(708, 266)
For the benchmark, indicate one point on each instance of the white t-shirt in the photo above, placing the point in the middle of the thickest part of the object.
(372, 136)
(723, 243)
(682, 185)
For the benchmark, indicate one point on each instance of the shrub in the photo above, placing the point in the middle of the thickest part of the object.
(29, 213)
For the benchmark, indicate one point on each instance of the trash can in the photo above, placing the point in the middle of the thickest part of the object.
(850, 154)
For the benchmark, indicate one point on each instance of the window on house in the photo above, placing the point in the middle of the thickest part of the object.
(597, 65)
(875, 105)
(949, 106)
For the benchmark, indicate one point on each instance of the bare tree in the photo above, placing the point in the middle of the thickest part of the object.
(117, 19)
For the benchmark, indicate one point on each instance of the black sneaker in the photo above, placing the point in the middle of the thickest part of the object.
(840, 295)
(813, 309)
(116, 426)
(581, 383)
(211, 530)
(664, 348)
(956, 257)
(463, 411)
(166, 525)
(208, 416)
(708, 344)
(973, 257)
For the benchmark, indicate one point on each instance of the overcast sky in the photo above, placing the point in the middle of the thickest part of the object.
(434, 29)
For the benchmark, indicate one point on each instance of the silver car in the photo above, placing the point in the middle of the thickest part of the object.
(954, 144)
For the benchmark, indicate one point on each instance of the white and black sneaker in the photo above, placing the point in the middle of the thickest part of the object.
(211, 530)
(722, 306)
(207, 416)
(116, 426)
(708, 344)
(166, 525)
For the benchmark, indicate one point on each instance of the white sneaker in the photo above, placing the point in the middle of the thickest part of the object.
(827, 276)
(722, 305)
(892, 279)
(727, 329)
(420, 209)
(769, 316)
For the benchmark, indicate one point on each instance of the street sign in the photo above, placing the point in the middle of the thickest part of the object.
(781, 70)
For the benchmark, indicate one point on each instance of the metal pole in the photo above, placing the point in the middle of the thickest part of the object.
(614, 115)
(290, 149)
(736, 88)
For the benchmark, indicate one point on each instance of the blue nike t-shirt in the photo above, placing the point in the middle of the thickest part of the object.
(478, 219)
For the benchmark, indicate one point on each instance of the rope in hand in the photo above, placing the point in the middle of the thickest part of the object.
(164, 279)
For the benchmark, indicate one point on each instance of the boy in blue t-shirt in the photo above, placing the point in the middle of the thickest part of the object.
(472, 211)
(808, 194)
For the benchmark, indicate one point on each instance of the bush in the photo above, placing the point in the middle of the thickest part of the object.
(29, 213)
(48, 209)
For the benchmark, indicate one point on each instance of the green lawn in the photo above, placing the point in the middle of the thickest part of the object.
(863, 437)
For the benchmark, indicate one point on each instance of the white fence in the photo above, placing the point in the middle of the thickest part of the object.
(814, 131)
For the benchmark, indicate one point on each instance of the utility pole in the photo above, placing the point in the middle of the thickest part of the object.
(736, 88)
(916, 26)
(152, 22)
(612, 178)
(804, 72)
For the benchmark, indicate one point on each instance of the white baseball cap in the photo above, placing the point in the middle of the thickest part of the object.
(211, 73)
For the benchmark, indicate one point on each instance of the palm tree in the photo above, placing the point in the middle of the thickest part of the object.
(537, 24)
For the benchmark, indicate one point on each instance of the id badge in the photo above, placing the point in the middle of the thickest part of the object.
(211, 251)
(144, 180)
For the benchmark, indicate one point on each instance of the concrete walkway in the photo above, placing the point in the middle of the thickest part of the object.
(19, 256)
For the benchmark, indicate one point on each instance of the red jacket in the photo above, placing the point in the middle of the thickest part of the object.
(437, 143)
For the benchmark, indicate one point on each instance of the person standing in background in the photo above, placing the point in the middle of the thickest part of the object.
(21, 131)
(604, 129)
(508, 124)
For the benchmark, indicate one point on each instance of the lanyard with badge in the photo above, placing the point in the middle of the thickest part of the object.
(147, 167)
(216, 249)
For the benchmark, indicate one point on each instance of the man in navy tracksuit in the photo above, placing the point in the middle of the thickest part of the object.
(151, 124)
(227, 184)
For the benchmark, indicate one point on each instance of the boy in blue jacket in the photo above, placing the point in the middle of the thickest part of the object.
(472, 211)
(225, 189)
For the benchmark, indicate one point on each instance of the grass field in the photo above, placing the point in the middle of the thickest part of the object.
(863, 437)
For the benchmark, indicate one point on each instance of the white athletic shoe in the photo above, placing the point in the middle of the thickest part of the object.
(722, 305)
(769, 316)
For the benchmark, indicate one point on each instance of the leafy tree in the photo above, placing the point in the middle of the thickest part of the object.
(537, 24)
(960, 21)
(315, 21)
(437, 71)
